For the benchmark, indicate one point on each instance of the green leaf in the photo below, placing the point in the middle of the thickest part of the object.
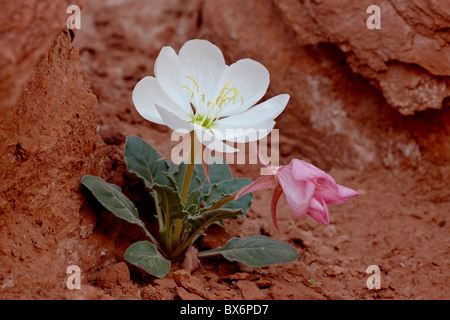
(243, 203)
(178, 173)
(218, 172)
(255, 251)
(171, 182)
(193, 201)
(141, 160)
(112, 198)
(222, 185)
(170, 201)
(144, 255)
(199, 223)
(224, 189)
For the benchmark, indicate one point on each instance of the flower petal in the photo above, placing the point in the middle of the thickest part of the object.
(243, 133)
(267, 110)
(333, 193)
(330, 191)
(273, 205)
(174, 121)
(169, 73)
(253, 124)
(205, 162)
(266, 182)
(146, 93)
(330, 194)
(298, 193)
(346, 192)
(319, 211)
(204, 62)
(305, 171)
(251, 78)
(211, 141)
(263, 160)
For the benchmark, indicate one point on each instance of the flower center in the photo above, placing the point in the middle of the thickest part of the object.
(206, 113)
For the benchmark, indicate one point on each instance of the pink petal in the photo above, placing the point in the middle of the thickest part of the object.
(266, 182)
(319, 211)
(347, 192)
(326, 186)
(273, 206)
(298, 193)
(305, 171)
(205, 162)
(260, 156)
(333, 193)
(329, 193)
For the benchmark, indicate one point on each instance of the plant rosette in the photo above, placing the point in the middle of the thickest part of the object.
(196, 93)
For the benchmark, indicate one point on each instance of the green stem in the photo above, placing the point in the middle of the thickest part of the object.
(186, 243)
(158, 213)
(224, 201)
(177, 232)
(186, 182)
(167, 226)
(189, 170)
(152, 239)
(208, 254)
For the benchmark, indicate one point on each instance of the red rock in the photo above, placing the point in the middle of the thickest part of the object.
(220, 291)
(216, 236)
(250, 290)
(190, 282)
(126, 292)
(263, 283)
(166, 282)
(27, 30)
(408, 52)
(156, 293)
(186, 295)
(239, 276)
(47, 144)
(286, 291)
(191, 262)
(87, 292)
(112, 276)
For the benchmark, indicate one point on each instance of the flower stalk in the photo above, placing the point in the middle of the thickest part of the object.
(159, 214)
(189, 170)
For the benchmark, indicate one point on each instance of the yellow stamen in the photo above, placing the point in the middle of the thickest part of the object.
(225, 87)
(192, 92)
(227, 95)
(195, 82)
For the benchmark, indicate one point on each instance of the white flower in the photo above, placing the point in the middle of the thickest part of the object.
(196, 90)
